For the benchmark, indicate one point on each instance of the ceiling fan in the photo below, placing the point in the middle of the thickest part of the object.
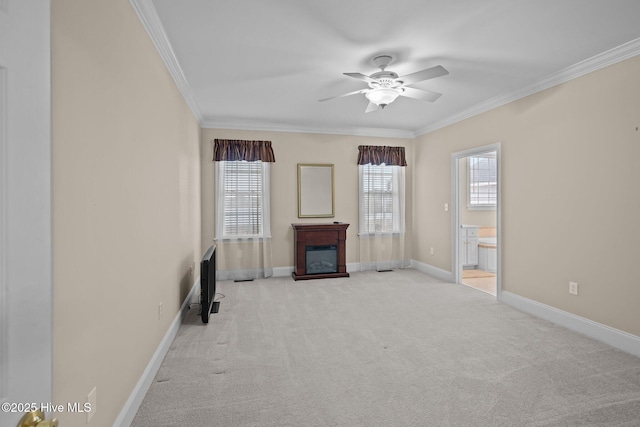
(385, 86)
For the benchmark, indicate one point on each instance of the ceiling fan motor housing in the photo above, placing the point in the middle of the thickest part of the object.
(384, 79)
(385, 86)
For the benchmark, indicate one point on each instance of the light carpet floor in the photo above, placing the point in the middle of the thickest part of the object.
(384, 349)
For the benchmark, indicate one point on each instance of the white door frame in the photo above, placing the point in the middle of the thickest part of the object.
(456, 266)
(26, 253)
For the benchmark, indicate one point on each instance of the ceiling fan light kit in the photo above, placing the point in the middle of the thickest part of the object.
(382, 96)
(386, 86)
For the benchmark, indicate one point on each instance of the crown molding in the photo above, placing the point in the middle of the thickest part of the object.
(597, 62)
(277, 127)
(148, 15)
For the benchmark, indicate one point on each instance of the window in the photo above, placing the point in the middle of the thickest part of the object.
(482, 178)
(243, 199)
(381, 199)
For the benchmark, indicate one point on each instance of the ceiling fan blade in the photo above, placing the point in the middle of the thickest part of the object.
(421, 94)
(355, 92)
(361, 76)
(371, 107)
(418, 76)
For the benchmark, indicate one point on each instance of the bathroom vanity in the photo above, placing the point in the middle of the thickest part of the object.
(468, 245)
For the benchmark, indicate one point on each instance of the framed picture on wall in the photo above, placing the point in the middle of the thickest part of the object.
(315, 191)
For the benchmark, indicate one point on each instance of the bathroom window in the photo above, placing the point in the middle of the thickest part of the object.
(482, 179)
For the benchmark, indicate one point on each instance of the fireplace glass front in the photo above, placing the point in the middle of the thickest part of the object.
(321, 259)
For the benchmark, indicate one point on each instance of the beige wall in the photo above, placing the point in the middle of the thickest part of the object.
(291, 149)
(126, 203)
(569, 193)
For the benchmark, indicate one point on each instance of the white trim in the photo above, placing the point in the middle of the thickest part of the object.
(4, 313)
(241, 274)
(352, 267)
(282, 271)
(611, 336)
(241, 124)
(481, 207)
(597, 62)
(131, 406)
(148, 15)
(455, 215)
(26, 211)
(286, 271)
(385, 265)
(150, 20)
(436, 272)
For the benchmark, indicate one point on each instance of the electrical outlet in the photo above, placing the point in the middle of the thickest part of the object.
(92, 404)
(573, 288)
(159, 311)
(431, 251)
(446, 207)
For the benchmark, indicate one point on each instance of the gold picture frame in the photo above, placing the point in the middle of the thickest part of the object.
(315, 191)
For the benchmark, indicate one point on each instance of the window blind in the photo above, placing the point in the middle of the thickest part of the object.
(243, 207)
(380, 199)
(482, 175)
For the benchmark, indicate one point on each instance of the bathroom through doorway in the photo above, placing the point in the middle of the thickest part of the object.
(476, 213)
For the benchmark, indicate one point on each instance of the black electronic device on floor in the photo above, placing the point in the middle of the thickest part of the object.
(208, 284)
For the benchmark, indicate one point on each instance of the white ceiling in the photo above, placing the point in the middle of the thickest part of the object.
(256, 64)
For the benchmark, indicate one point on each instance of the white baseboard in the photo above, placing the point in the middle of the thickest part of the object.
(614, 337)
(130, 408)
(286, 271)
(436, 272)
(282, 271)
(353, 267)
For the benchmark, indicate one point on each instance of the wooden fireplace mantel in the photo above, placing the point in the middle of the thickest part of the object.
(317, 235)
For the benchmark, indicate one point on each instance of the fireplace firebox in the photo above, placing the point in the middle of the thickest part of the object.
(319, 251)
(321, 259)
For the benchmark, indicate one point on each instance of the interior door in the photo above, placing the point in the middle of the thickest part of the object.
(25, 208)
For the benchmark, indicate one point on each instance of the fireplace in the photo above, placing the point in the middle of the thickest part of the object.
(319, 251)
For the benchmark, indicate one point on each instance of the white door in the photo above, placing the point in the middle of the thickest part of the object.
(26, 279)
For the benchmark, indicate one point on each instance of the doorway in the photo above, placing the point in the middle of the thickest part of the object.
(476, 218)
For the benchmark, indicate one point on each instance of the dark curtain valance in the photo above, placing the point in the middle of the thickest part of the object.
(234, 150)
(379, 154)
